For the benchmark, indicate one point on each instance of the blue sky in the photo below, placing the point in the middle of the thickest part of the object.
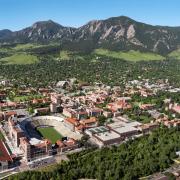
(17, 14)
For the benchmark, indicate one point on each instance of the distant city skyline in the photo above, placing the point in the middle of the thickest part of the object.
(18, 14)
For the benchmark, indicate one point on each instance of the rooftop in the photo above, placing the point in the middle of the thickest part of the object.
(100, 129)
(88, 121)
(108, 135)
(71, 120)
(125, 129)
(10, 113)
(34, 141)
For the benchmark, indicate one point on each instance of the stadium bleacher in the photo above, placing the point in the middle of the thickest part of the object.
(30, 126)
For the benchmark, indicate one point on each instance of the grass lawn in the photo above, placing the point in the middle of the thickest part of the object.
(141, 118)
(4, 50)
(28, 46)
(21, 98)
(129, 55)
(67, 55)
(50, 133)
(21, 58)
(24, 46)
(26, 98)
(175, 54)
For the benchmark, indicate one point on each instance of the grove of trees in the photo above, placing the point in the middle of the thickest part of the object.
(128, 161)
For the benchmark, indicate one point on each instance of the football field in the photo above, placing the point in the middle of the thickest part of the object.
(49, 133)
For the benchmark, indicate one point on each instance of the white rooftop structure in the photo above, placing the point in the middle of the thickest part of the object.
(122, 122)
(103, 133)
(108, 135)
(122, 125)
(61, 83)
(34, 141)
(97, 130)
(125, 129)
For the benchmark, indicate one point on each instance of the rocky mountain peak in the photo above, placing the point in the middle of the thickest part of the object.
(117, 33)
(46, 24)
(5, 33)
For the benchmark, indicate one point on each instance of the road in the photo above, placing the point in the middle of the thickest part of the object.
(156, 176)
(24, 167)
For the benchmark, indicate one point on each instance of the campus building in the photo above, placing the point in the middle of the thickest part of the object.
(32, 148)
(80, 125)
(66, 145)
(35, 148)
(5, 157)
(103, 136)
(15, 132)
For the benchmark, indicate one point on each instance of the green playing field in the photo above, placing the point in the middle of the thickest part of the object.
(50, 133)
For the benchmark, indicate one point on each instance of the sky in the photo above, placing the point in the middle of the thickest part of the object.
(18, 14)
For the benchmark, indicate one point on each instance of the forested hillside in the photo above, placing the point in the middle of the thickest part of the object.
(115, 33)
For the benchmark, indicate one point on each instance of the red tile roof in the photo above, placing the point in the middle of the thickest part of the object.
(80, 127)
(88, 121)
(10, 113)
(70, 142)
(72, 120)
(60, 143)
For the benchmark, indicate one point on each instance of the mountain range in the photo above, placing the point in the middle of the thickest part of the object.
(116, 33)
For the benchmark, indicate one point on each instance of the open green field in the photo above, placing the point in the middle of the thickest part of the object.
(50, 133)
(175, 54)
(28, 46)
(129, 55)
(21, 58)
(26, 98)
(67, 55)
(4, 50)
(24, 46)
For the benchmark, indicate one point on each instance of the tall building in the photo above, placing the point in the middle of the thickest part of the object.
(55, 98)
(5, 158)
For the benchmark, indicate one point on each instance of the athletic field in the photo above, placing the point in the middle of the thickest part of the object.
(49, 133)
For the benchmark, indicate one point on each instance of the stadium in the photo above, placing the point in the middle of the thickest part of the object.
(47, 127)
(43, 127)
(41, 136)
